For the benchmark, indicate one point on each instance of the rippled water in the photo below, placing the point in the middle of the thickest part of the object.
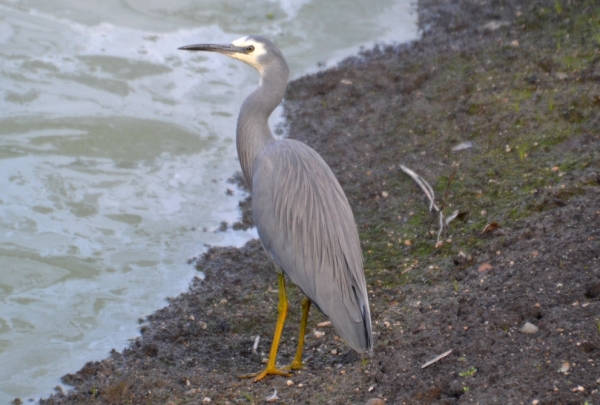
(115, 150)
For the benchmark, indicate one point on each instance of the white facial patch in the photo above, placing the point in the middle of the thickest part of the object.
(252, 57)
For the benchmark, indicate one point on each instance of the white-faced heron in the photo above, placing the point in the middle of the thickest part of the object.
(301, 213)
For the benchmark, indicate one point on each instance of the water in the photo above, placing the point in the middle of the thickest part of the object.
(115, 150)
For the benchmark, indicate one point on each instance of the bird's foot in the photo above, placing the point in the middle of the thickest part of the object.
(264, 373)
(296, 365)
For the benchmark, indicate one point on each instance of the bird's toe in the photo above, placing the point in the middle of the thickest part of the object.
(264, 373)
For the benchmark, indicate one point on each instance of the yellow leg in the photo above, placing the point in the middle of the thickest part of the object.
(271, 369)
(297, 363)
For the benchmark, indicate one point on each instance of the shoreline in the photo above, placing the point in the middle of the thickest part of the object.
(522, 84)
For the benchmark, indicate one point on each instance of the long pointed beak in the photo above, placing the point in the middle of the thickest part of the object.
(226, 49)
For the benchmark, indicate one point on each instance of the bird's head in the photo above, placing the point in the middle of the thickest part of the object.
(256, 51)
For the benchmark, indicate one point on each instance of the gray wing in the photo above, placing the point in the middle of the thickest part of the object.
(306, 225)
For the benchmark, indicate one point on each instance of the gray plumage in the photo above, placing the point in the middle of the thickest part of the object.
(303, 217)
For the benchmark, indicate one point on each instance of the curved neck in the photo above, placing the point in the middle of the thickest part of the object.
(253, 133)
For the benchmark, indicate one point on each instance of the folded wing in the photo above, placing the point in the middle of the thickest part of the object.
(306, 226)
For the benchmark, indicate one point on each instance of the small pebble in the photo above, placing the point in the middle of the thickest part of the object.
(561, 75)
(206, 400)
(375, 401)
(384, 194)
(535, 402)
(334, 351)
(484, 267)
(529, 328)
(289, 383)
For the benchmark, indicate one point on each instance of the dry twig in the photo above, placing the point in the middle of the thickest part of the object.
(424, 186)
(428, 190)
(438, 358)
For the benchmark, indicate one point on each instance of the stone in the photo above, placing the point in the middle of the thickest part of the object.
(529, 328)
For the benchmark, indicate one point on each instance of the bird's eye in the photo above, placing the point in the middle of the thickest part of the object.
(250, 48)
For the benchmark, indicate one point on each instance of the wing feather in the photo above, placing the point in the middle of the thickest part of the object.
(306, 226)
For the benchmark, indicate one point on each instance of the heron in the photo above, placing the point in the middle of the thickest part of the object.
(302, 216)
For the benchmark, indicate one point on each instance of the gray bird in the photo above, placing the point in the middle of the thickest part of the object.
(301, 213)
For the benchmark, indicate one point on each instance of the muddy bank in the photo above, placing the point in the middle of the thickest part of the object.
(521, 84)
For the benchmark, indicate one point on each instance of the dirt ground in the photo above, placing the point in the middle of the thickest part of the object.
(513, 285)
